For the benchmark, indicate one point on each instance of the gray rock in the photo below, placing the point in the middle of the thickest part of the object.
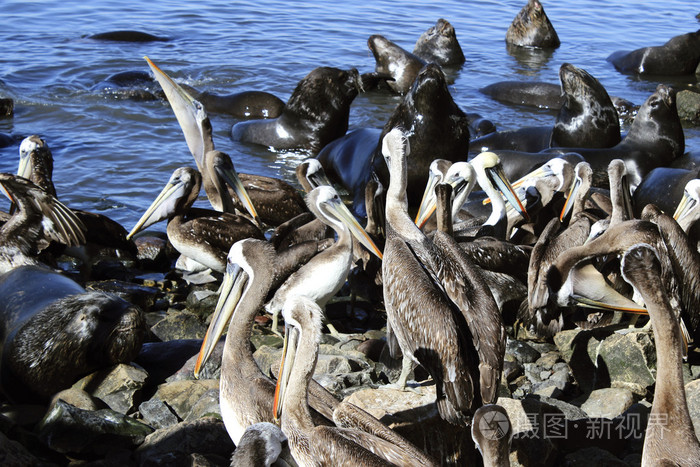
(177, 444)
(522, 351)
(688, 104)
(692, 392)
(119, 387)
(511, 370)
(271, 340)
(77, 397)
(67, 429)
(266, 357)
(608, 402)
(157, 414)
(13, 453)
(548, 360)
(202, 301)
(206, 406)
(179, 325)
(181, 396)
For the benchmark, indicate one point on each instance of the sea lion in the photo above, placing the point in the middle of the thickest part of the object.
(655, 139)
(398, 65)
(127, 36)
(54, 331)
(7, 107)
(531, 28)
(439, 45)
(679, 56)
(316, 113)
(663, 186)
(435, 124)
(244, 104)
(543, 95)
(133, 85)
(587, 118)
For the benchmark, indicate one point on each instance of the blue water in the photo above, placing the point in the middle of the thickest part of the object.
(113, 156)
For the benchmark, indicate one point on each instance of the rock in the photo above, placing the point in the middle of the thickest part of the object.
(688, 104)
(179, 325)
(272, 340)
(13, 453)
(119, 387)
(414, 415)
(202, 301)
(511, 370)
(692, 392)
(547, 360)
(67, 429)
(174, 360)
(206, 406)
(153, 251)
(140, 295)
(157, 414)
(181, 396)
(176, 445)
(266, 357)
(77, 397)
(601, 358)
(608, 402)
(529, 446)
(522, 351)
(592, 456)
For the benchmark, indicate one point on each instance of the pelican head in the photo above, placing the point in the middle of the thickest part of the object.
(310, 174)
(220, 169)
(489, 174)
(326, 204)
(687, 209)
(462, 178)
(181, 191)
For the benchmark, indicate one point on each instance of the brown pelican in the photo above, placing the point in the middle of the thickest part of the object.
(670, 438)
(324, 445)
(441, 311)
(38, 219)
(680, 266)
(200, 234)
(310, 174)
(688, 209)
(260, 446)
(101, 232)
(276, 201)
(492, 433)
(323, 276)
(436, 174)
(246, 394)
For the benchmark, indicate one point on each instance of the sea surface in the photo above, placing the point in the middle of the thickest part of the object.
(114, 155)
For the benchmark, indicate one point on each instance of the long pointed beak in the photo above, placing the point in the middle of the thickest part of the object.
(231, 178)
(498, 177)
(591, 290)
(569, 203)
(684, 206)
(24, 169)
(188, 111)
(155, 213)
(291, 339)
(428, 202)
(319, 178)
(232, 286)
(543, 171)
(345, 216)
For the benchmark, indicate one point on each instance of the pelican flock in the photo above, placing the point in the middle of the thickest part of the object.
(479, 266)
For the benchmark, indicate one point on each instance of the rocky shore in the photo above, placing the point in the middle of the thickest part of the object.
(582, 398)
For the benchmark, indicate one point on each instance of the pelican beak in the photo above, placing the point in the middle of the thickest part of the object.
(291, 338)
(319, 178)
(542, 171)
(569, 203)
(189, 112)
(428, 203)
(346, 217)
(590, 289)
(499, 179)
(232, 287)
(685, 205)
(161, 208)
(231, 178)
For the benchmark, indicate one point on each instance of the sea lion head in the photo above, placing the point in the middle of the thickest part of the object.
(439, 45)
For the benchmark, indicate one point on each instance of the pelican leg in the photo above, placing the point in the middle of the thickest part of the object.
(275, 320)
(407, 366)
(334, 332)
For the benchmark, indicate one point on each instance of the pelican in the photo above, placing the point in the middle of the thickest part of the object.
(492, 433)
(441, 311)
(436, 174)
(489, 172)
(276, 200)
(38, 219)
(462, 177)
(260, 446)
(670, 437)
(101, 232)
(324, 445)
(323, 276)
(688, 210)
(246, 394)
(310, 174)
(200, 234)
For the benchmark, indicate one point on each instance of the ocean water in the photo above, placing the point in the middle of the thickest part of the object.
(114, 155)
